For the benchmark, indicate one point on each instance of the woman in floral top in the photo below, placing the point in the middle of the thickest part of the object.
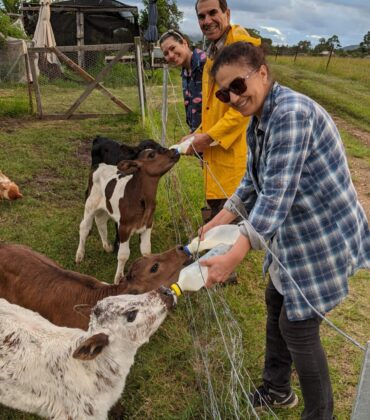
(176, 51)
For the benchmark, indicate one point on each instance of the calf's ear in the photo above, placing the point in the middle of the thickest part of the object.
(127, 150)
(83, 309)
(128, 166)
(91, 347)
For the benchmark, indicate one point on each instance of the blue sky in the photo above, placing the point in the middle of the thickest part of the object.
(290, 21)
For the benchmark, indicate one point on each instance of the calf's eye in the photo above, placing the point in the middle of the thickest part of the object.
(131, 315)
(154, 268)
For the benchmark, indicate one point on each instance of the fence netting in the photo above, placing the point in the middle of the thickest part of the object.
(61, 85)
(219, 359)
(12, 61)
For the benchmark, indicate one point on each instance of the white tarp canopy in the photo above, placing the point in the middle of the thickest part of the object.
(44, 36)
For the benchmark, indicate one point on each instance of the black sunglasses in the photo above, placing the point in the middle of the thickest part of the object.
(238, 86)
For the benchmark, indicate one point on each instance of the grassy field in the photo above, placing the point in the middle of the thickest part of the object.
(50, 162)
(343, 89)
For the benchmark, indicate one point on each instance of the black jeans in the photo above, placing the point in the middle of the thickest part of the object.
(298, 342)
(213, 207)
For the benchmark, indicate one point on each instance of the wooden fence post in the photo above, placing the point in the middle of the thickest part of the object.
(35, 83)
(331, 53)
(29, 83)
(296, 53)
(80, 35)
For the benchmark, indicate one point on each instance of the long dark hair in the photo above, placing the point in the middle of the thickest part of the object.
(240, 52)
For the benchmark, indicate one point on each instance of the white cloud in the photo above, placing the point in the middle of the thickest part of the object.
(269, 29)
(294, 19)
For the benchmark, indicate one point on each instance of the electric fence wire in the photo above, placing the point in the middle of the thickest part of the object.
(236, 370)
(209, 392)
(235, 337)
(233, 394)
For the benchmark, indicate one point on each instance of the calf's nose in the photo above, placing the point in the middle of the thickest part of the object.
(184, 250)
(167, 296)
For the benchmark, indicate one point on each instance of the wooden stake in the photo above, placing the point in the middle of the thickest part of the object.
(29, 83)
(35, 83)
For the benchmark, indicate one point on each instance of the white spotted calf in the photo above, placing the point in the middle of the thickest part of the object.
(66, 373)
(125, 193)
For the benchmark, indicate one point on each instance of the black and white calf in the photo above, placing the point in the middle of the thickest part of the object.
(106, 150)
(68, 373)
(125, 193)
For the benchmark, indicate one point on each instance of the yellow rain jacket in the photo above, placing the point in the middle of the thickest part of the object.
(227, 160)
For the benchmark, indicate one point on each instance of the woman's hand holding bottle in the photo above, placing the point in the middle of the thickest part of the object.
(221, 266)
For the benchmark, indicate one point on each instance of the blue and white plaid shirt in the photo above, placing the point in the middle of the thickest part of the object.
(298, 189)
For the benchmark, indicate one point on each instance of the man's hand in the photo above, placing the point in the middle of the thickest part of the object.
(200, 143)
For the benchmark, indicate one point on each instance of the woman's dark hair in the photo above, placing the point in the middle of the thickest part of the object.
(239, 52)
(176, 35)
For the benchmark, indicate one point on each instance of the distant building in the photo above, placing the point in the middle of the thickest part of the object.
(326, 53)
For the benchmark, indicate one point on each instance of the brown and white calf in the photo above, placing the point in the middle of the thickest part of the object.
(125, 193)
(8, 189)
(31, 280)
(68, 373)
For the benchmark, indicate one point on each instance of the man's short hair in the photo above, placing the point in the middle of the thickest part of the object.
(222, 3)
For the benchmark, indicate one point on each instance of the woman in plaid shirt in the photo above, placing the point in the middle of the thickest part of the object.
(298, 196)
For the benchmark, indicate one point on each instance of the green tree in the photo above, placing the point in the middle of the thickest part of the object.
(333, 42)
(304, 46)
(365, 44)
(169, 16)
(321, 46)
(267, 42)
(11, 6)
(7, 29)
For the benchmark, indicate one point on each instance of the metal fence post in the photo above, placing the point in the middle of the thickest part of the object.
(361, 406)
(139, 60)
(164, 104)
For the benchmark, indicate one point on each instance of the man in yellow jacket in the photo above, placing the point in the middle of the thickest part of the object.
(220, 123)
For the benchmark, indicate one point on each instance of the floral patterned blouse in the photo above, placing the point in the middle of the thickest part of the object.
(192, 89)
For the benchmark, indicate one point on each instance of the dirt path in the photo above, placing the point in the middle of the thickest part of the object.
(360, 170)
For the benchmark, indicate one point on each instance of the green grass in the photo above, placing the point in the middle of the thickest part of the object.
(50, 162)
(351, 69)
(347, 97)
(14, 104)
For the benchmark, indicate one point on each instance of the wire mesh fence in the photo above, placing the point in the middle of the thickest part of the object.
(218, 357)
(93, 80)
(12, 62)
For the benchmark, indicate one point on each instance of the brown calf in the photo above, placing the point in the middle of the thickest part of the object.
(32, 280)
